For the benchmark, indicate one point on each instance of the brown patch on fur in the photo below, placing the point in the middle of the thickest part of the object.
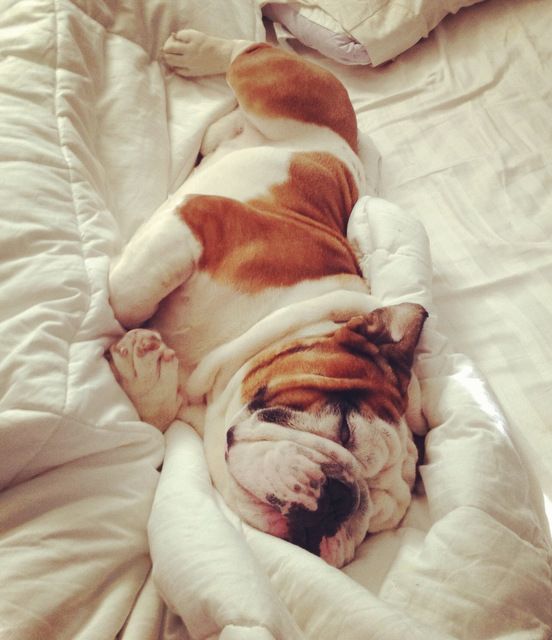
(294, 233)
(359, 361)
(310, 372)
(320, 188)
(270, 82)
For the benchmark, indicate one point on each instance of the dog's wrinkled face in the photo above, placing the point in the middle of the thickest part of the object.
(321, 453)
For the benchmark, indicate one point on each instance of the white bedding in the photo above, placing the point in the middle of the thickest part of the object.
(92, 139)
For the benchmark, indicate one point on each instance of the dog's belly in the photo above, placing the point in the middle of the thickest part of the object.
(204, 314)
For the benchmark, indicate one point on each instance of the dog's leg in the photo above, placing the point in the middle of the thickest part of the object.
(282, 93)
(147, 370)
(191, 53)
(228, 127)
(160, 257)
(270, 84)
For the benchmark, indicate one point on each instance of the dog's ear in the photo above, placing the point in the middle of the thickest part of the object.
(389, 332)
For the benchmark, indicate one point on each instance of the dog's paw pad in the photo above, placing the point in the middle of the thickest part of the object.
(131, 348)
(147, 342)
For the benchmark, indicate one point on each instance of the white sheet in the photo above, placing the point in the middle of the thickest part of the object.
(92, 138)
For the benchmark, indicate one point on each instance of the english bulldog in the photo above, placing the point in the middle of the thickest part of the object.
(249, 316)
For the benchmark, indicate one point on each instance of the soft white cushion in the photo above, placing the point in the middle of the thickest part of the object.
(353, 32)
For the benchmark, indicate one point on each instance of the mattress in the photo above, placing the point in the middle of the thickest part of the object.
(94, 135)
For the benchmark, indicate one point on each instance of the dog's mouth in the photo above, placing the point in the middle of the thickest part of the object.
(325, 531)
(337, 503)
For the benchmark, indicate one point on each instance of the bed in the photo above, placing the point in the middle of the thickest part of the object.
(110, 530)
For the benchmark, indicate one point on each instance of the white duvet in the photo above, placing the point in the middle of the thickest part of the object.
(93, 137)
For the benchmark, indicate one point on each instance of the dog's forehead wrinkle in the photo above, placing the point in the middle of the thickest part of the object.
(332, 469)
(323, 419)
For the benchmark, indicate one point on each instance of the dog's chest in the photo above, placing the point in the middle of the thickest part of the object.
(264, 244)
(204, 314)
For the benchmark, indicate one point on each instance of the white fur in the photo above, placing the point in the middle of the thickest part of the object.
(225, 129)
(160, 256)
(216, 332)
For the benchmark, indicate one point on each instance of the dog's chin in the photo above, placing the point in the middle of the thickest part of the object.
(278, 520)
(337, 550)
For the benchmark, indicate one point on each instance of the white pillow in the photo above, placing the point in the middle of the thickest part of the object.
(318, 30)
(362, 32)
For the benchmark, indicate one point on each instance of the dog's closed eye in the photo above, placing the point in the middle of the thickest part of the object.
(278, 415)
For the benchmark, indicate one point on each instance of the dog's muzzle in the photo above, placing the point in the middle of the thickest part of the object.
(296, 485)
(337, 502)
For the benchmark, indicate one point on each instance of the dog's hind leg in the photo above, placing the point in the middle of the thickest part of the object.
(192, 53)
(228, 127)
(279, 92)
(282, 94)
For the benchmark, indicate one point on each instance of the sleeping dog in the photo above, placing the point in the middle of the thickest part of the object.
(250, 319)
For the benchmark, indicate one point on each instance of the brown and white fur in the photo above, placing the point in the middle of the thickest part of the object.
(271, 345)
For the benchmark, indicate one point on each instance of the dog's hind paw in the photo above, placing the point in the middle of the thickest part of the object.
(191, 53)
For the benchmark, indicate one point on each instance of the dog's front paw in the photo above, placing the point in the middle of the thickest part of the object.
(147, 370)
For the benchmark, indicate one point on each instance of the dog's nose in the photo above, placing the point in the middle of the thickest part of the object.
(337, 502)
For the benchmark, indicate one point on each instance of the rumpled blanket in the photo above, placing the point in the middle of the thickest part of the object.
(470, 559)
(93, 137)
